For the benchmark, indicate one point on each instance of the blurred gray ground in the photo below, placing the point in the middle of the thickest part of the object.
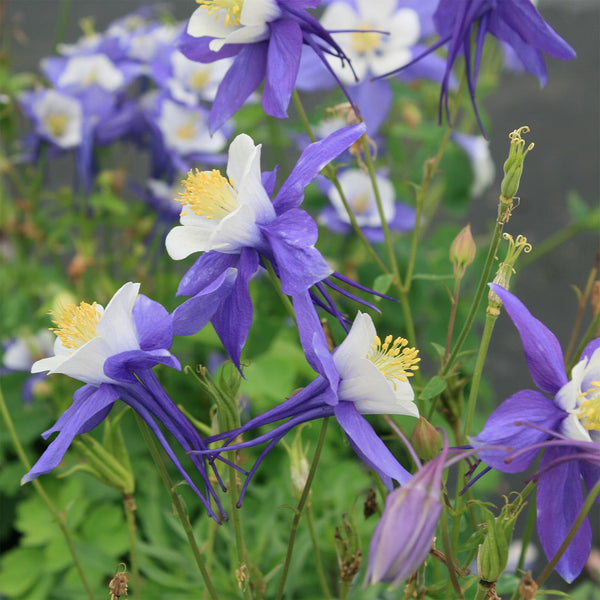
(565, 126)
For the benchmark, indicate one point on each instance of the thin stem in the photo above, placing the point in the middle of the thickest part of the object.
(331, 174)
(242, 570)
(129, 506)
(587, 505)
(583, 300)
(277, 285)
(389, 243)
(345, 587)
(317, 552)
(452, 317)
(587, 338)
(481, 287)
(303, 117)
(59, 517)
(300, 507)
(179, 508)
(449, 556)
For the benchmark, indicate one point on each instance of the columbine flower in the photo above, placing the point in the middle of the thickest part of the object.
(266, 38)
(404, 535)
(359, 193)
(377, 36)
(112, 350)
(516, 22)
(528, 419)
(232, 220)
(364, 375)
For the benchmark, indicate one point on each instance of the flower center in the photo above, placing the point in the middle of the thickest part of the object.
(57, 124)
(360, 204)
(395, 361)
(589, 411)
(199, 79)
(187, 131)
(232, 8)
(76, 325)
(208, 194)
(364, 42)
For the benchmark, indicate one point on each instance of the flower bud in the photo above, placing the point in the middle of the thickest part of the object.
(426, 439)
(299, 466)
(404, 535)
(411, 115)
(513, 166)
(462, 251)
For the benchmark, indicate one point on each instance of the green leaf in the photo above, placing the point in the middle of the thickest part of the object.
(436, 385)
(383, 282)
(21, 569)
(577, 207)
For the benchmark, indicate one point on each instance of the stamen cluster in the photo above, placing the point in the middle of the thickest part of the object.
(208, 194)
(395, 361)
(76, 325)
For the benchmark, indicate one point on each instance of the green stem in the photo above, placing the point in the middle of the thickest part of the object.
(59, 517)
(449, 556)
(303, 117)
(482, 592)
(277, 285)
(587, 338)
(300, 507)
(62, 23)
(585, 509)
(345, 587)
(179, 508)
(452, 317)
(481, 288)
(129, 506)
(242, 570)
(315, 544)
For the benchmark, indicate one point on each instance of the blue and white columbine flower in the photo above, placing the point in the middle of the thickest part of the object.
(359, 194)
(363, 376)
(530, 420)
(266, 38)
(112, 350)
(233, 221)
(515, 22)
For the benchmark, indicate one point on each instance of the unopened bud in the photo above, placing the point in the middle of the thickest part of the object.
(506, 269)
(411, 115)
(462, 251)
(426, 439)
(513, 166)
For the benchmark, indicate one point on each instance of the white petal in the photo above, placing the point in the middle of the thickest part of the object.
(259, 12)
(572, 428)
(405, 27)
(202, 24)
(87, 363)
(47, 364)
(388, 61)
(243, 35)
(116, 325)
(184, 240)
(340, 15)
(356, 345)
(92, 69)
(241, 152)
(252, 193)
(236, 230)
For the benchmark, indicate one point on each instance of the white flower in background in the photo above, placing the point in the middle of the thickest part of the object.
(24, 351)
(92, 69)
(374, 375)
(221, 213)
(59, 118)
(192, 80)
(88, 334)
(482, 164)
(359, 194)
(372, 52)
(233, 21)
(144, 46)
(185, 130)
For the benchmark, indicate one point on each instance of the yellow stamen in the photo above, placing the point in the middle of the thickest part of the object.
(589, 411)
(76, 325)
(364, 42)
(199, 79)
(57, 124)
(208, 194)
(232, 8)
(395, 361)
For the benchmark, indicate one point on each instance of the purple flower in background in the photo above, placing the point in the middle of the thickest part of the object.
(404, 535)
(266, 39)
(529, 420)
(377, 36)
(515, 22)
(359, 194)
(233, 221)
(363, 376)
(112, 351)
